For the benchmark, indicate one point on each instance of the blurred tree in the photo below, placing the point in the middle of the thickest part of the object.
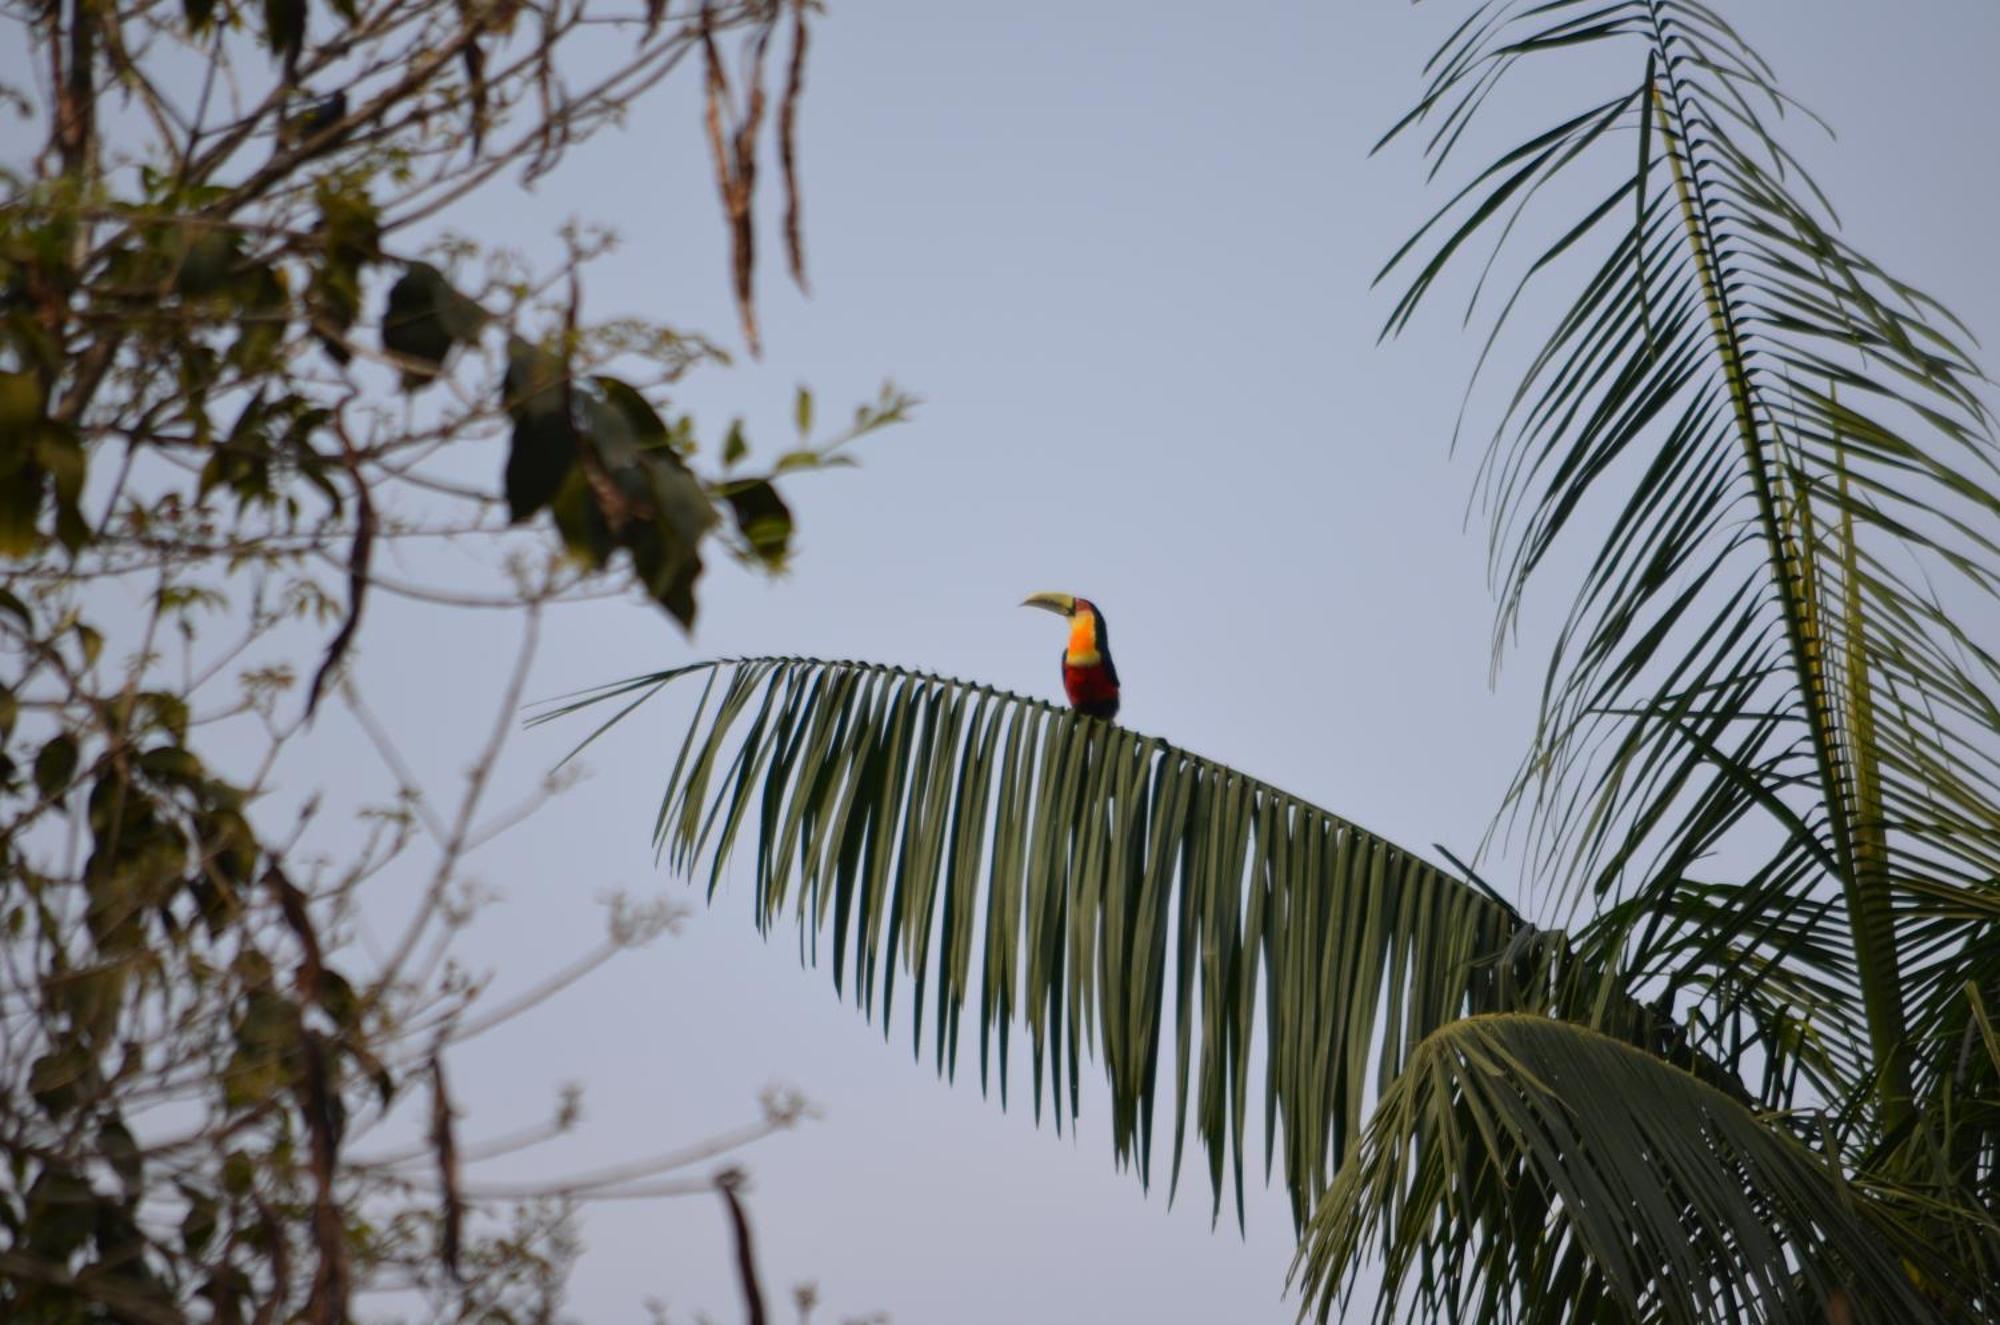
(239, 356)
(1757, 1077)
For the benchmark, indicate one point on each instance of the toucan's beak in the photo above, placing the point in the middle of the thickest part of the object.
(1061, 604)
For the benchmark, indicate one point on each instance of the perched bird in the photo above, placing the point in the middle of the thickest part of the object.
(1090, 679)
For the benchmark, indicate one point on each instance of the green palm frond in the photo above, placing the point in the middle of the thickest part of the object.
(1769, 661)
(1529, 1170)
(993, 850)
(1124, 898)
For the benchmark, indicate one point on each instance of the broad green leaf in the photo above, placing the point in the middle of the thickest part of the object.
(55, 765)
(425, 317)
(544, 438)
(763, 519)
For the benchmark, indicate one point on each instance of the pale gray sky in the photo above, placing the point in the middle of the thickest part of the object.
(1123, 251)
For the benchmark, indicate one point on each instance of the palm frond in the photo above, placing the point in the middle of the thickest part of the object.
(1124, 898)
(1530, 1170)
(1796, 478)
(993, 850)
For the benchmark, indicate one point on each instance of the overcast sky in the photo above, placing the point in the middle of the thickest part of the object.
(1123, 251)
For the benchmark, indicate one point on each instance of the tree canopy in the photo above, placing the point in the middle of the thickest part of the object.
(244, 359)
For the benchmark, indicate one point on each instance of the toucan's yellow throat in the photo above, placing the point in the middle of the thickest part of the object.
(1083, 649)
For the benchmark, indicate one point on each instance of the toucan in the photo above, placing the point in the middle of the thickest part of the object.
(1090, 679)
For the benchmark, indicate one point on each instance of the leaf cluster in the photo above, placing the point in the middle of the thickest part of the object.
(239, 357)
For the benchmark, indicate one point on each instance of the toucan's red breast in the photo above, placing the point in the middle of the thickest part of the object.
(1090, 679)
(1092, 690)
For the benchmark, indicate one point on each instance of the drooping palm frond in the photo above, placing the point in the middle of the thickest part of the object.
(1776, 659)
(984, 849)
(1529, 1170)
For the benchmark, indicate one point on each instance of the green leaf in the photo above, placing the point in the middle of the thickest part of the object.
(339, 1001)
(198, 1224)
(350, 230)
(764, 521)
(10, 602)
(59, 454)
(209, 258)
(802, 412)
(581, 522)
(163, 711)
(239, 1173)
(265, 298)
(267, 1037)
(285, 29)
(668, 569)
(62, 1212)
(544, 442)
(93, 997)
(172, 764)
(116, 1144)
(649, 502)
(536, 466)
(424, 319)
(227, 844)
(21, 489)
(642, 426)
(22, 402)
(55, 765)
(61, 1079)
